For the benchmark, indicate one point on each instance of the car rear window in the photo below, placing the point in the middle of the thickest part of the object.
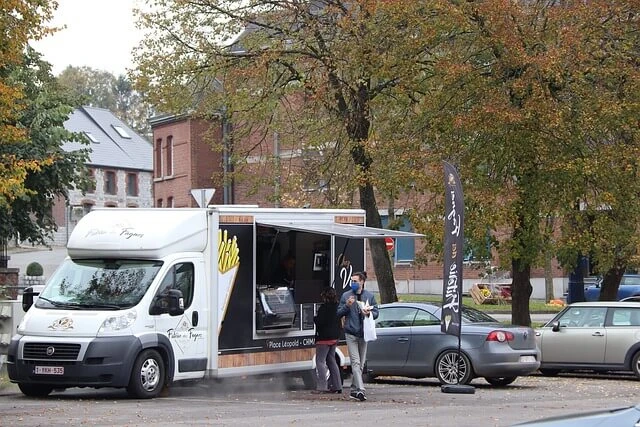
(626, 317)
(471, 315)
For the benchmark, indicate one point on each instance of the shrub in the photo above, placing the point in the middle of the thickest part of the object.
(34, 269)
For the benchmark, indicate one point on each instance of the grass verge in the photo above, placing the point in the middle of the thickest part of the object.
(535, 306)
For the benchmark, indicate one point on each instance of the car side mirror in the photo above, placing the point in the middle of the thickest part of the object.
(170, 302)
(555, 326)
(27, 298)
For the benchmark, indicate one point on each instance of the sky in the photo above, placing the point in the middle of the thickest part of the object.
(99, 34)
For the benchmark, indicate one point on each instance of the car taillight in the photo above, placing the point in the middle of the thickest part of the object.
(500, 336)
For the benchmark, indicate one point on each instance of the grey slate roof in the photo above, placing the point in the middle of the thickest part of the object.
(112, 150)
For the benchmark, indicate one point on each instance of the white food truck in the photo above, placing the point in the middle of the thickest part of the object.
(146, 297)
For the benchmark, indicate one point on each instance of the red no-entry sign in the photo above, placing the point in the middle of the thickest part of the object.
(388, 241)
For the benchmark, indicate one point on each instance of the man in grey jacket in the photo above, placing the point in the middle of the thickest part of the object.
(354, 306)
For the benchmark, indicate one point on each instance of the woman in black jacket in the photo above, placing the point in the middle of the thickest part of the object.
(327, 334)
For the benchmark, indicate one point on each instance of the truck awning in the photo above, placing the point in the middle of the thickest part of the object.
(334, 229)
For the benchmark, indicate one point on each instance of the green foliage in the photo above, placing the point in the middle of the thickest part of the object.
(44, 111)
(34, 269)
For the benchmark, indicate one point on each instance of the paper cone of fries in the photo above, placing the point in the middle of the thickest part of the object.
(228, 265)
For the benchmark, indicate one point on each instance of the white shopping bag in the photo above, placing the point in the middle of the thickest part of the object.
(369, 326)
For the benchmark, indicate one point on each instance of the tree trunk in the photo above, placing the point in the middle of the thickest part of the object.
(548, 271)
(521, 290)
(611, 283)
(379, 254)
(548, 277)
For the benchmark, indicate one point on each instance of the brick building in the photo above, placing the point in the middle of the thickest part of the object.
(183, 159)
(120, 163)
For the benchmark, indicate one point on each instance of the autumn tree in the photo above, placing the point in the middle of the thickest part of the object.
(328, 79)
(604, 223)
(20, 22)
(529, 115)
(44, 109)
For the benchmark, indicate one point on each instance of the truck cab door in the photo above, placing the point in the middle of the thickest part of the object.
(187, 332)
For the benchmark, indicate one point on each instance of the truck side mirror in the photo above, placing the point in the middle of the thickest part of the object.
(170, 302)
(27, 298)
(176, 302)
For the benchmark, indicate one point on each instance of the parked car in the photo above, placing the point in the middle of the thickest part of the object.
(595, 336)
(628, 416)
(411, 344)
(629, 286)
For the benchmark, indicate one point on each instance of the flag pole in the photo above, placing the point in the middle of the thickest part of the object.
(451, 313)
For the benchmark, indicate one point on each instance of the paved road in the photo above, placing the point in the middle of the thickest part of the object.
(391, 401)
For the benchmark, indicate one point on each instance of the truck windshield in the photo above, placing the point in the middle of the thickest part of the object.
(107, 284)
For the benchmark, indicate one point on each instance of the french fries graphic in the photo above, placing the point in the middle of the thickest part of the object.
(228, 252)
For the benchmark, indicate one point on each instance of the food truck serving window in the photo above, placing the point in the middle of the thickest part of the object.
(292, 267)
(296, 260)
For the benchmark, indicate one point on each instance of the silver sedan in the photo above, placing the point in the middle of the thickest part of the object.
(411, 344)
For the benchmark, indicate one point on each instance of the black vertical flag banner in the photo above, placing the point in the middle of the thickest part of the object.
(453, 252)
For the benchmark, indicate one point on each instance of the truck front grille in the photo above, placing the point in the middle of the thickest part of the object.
(51, 351)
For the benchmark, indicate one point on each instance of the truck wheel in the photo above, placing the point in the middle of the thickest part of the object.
(340, 370)
(35, 390)
(635, 364)
(148, 375)
(309, 379)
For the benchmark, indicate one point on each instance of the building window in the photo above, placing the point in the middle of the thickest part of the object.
(110, 182)
(132, 184)
(169, 202)
(404, 251)
(92, 138)
(158, 158)
(159, 203)
(92, 181)
(169, 155)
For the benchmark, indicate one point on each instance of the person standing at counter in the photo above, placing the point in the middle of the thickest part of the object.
(354, 305)
(327, 334)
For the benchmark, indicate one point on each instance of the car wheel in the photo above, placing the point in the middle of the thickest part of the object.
(635, 364)
(35, 390)
(368, 376)
(549, 372)
(453, 370)
(500, 381)
(147, 376)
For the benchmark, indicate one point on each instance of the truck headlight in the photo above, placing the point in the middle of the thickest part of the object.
(118, 323)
